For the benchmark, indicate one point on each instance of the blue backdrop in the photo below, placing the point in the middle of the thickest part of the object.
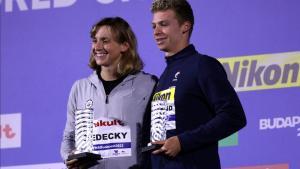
(45, 47)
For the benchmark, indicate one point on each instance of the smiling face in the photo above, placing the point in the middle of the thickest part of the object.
(170, 36)
(106, 51)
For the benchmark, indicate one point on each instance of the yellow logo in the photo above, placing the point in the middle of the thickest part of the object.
(268, 71)
(165, 95)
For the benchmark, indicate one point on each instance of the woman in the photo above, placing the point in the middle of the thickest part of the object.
(117, 93)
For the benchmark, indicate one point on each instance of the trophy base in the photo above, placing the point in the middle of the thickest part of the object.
(151, 148)
(85, 155)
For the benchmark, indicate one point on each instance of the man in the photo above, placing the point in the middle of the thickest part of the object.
(194, 106)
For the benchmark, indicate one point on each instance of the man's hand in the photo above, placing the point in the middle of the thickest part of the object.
(72, 164)
(171, 146)
(81, 164)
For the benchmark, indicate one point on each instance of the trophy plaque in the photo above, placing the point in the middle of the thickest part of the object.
(84, 135)
(159, 119)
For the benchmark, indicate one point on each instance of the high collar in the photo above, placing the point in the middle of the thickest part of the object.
(94, 79)
(187, 51)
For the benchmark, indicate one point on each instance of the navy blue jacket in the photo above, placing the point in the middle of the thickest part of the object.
(207, 109)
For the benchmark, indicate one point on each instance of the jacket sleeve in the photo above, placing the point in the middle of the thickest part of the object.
(222, 100)
(144, 159)
(68, 141)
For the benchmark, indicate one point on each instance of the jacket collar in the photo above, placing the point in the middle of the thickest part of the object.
(187, 51)
(93, 78)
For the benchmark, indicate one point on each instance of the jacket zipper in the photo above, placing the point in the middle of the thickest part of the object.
(106, 99)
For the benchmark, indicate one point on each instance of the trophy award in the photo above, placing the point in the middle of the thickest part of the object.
(159, 119)
(84, 136)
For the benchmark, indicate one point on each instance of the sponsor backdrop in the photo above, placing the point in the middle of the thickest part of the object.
(45, 47)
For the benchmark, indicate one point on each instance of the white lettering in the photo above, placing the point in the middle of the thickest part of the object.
(9, 5)
(63, 3)
(109, 1)
(289, 122)
(44, 4)
(40, 4)
(296, 120)
(105, 1)
(263, 124)
(279, 122)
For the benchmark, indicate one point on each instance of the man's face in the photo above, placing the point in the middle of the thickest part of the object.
(167, 31)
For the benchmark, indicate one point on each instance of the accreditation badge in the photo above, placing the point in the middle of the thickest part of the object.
(111, 138)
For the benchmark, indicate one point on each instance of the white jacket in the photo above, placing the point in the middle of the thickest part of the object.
(126, 102)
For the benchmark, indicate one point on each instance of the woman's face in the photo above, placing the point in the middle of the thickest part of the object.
(106, 50)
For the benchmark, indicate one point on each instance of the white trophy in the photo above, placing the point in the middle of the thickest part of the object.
(159, 119)
(84, 134)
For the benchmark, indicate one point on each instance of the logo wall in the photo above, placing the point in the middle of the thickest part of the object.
(10, 130)
(269, 71)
